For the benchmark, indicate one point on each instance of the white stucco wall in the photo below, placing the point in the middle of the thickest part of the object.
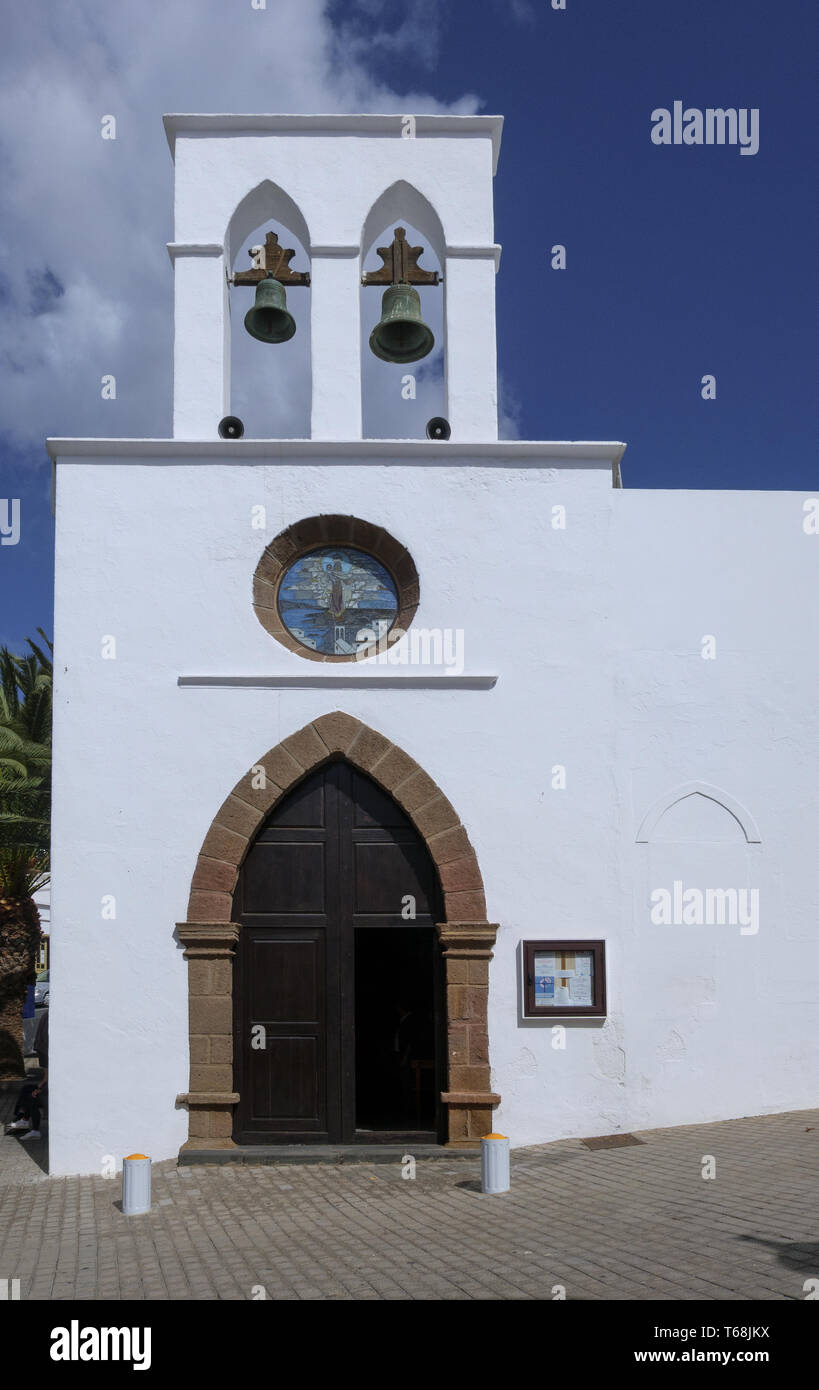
(594, 634)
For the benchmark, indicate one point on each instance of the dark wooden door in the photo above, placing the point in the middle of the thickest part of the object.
(336, 858)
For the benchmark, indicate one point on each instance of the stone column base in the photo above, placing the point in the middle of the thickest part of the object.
(210, 1119)
(470, 1117)
(207, 1144)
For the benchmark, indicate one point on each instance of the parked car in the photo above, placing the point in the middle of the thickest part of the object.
(41, 990)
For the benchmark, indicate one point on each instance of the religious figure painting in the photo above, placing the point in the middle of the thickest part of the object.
(335, 599)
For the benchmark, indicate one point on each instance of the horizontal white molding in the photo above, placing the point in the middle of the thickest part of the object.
(475, 253)
(335, 252)
(371, 124)
(500, 453)
(194, 248)
(391, 680)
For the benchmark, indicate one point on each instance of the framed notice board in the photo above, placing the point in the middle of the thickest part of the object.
(565, 979)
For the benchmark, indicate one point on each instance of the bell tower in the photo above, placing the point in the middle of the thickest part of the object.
(325, 175)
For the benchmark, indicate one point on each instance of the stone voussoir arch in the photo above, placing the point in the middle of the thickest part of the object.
(210, 935)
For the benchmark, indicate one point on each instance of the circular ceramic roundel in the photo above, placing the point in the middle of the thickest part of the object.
(337, 600)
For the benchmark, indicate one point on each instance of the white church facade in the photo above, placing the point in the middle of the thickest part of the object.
(409, 789)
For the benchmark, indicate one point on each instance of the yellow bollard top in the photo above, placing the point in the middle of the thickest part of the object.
(496, 1136)
(125, 1160)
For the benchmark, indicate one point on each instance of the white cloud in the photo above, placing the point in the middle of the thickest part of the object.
(97, 213)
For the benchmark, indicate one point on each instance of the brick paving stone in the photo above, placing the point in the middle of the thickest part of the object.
(621, 1224)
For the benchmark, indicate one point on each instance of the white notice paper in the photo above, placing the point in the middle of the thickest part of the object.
(580, 991)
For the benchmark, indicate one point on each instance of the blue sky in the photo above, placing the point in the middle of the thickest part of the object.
(681, 260)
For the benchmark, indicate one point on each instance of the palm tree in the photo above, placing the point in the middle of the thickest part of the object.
(25, 815)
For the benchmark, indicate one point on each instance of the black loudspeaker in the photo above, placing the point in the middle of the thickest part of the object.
(438, 428)
(231, 427)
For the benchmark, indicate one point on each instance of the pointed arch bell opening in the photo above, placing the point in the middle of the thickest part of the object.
(397, 400)
(269, 384)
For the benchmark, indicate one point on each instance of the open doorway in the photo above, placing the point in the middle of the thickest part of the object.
(396, 1037)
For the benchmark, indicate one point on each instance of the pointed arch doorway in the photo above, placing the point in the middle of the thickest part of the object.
(338, 993)
(212, 934)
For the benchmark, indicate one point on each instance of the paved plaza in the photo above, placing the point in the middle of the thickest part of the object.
(630, 1222)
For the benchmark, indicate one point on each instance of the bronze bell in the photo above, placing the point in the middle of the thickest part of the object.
(401, 334)
(269, 320)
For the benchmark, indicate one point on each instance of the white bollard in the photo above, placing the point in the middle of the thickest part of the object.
(136, 1185)
(494, 1163)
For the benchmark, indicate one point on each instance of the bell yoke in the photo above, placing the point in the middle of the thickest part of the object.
(400, 334)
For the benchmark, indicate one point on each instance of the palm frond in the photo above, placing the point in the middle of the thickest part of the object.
(8, 682)
(45, 661)
(25, 755)
(23, 871)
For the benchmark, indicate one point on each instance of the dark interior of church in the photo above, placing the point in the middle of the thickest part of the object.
(395, 1029)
